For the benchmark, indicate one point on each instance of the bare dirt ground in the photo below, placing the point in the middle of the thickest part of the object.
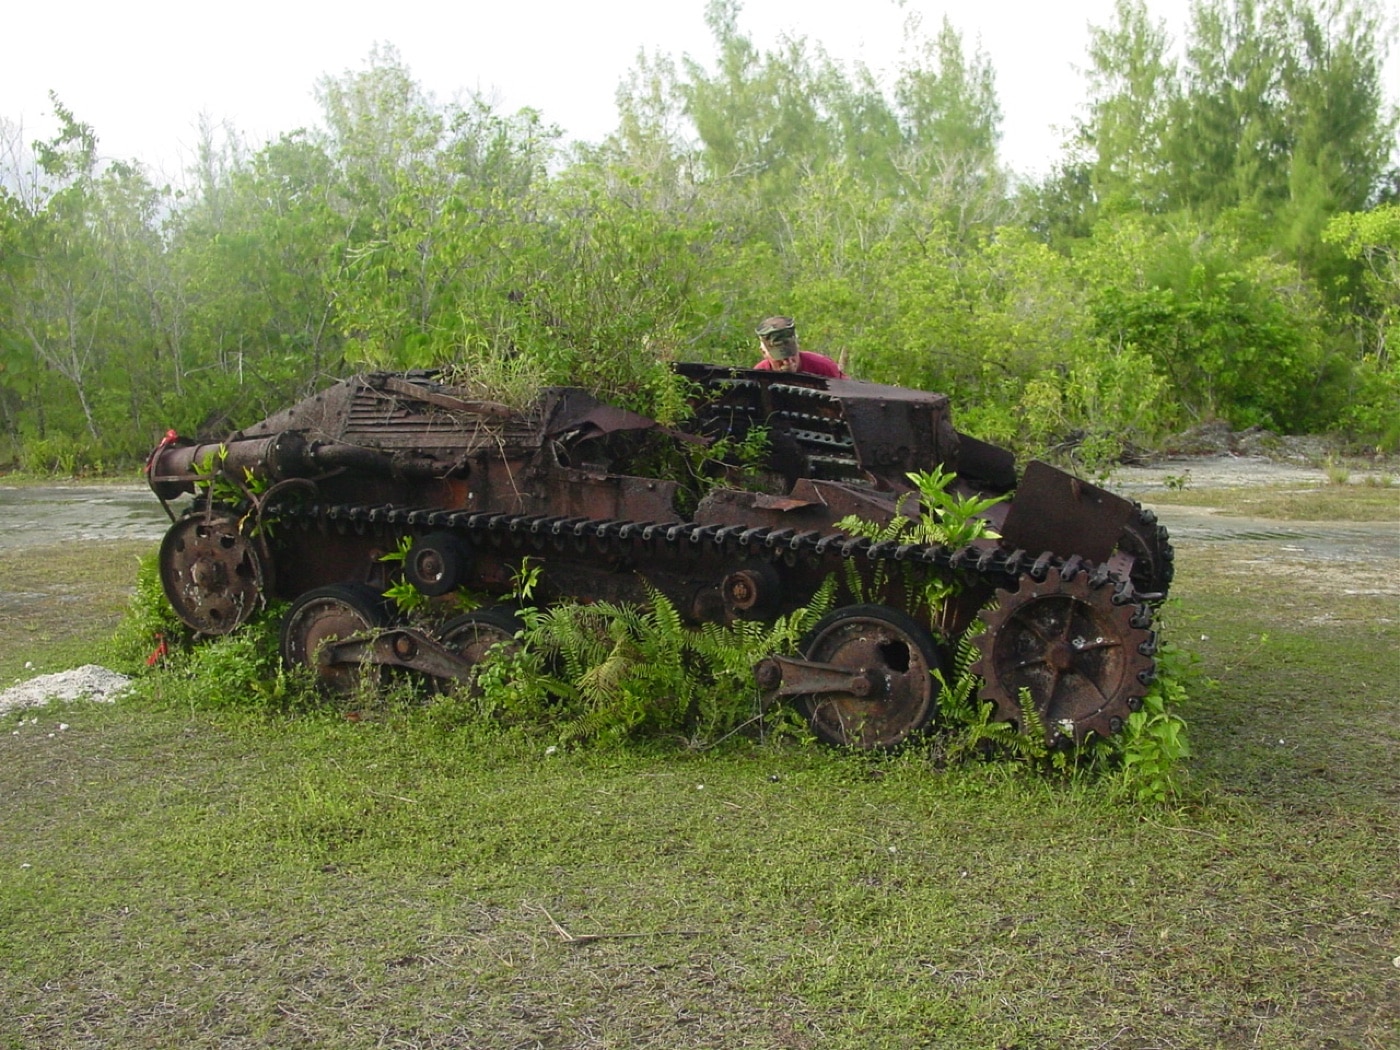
(45, 515)
(1225, 471)
(1352, 558)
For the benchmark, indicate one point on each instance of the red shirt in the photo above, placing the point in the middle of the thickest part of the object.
(812, 364)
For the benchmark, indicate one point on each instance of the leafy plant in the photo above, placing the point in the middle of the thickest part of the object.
(235, 668)
(214, 482)
(729, 462)
(59, 454)
(241, 669)
(1153, 743)
(526, 579)
(210, 478)
(944, 518)
(607, 671)
(407, 598)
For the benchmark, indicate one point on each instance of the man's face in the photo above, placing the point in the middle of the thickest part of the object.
(782, 357)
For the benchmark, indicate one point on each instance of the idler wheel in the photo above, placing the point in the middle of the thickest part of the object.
(437, 563)
(1084, 663)
(214, 571)
(339, 612)
(896, 656)
(473, 635)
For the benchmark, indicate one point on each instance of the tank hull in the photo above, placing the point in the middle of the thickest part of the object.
(389, 476)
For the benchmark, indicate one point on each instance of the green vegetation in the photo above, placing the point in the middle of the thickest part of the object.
(222, 859)
(1218, 241)
(946, 519)
(1291, 502)
(202, 866)
(62, 603)
(607, 672)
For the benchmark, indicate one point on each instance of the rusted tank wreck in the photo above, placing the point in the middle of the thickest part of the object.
(305, 505)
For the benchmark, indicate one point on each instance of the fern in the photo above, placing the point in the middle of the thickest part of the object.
(627, 662)
(972, 731)
(728, 654)
(606, 672)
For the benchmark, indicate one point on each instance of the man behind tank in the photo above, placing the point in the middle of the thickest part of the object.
(778, 338)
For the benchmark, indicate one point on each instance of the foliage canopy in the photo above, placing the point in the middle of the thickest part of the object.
(1215, 242)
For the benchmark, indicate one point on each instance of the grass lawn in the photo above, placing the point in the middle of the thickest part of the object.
(176, 876)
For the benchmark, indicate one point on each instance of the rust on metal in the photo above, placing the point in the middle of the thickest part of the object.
(1058, 512)
(408, 476)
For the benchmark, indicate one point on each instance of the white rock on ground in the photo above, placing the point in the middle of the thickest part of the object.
(90, 681)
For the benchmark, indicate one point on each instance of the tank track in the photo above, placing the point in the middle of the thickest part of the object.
(1008, 573)
(523, 531)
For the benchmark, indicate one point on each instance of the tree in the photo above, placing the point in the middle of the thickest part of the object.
(1372, 239)
(1235, 333)
(80, 236)
(256, 249)
(652, 152)
(1132, 94)
(760, 118)
(950, 122)
(379, 124)
(1341, 133)
(1283, 112)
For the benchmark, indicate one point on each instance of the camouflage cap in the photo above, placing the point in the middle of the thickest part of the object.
(777, 327)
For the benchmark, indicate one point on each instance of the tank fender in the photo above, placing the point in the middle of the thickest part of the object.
(1054, 511)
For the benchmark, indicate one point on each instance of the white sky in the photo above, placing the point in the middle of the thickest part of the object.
(141, 72)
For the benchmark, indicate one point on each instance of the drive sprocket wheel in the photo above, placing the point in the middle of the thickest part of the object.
(1146, 539)
(215, 570)
(1086, 661)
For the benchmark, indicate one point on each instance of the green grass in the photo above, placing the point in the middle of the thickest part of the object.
(1292, 502)
(208, 882)
(58, 604)
(173, 875)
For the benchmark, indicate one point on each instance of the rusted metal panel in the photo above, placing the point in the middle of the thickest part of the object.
(987, 465)
(1055, 511)
(812, 504)
(573, 493)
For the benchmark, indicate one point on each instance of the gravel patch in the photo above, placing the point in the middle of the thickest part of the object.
(89, 681)
(1212, 472)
